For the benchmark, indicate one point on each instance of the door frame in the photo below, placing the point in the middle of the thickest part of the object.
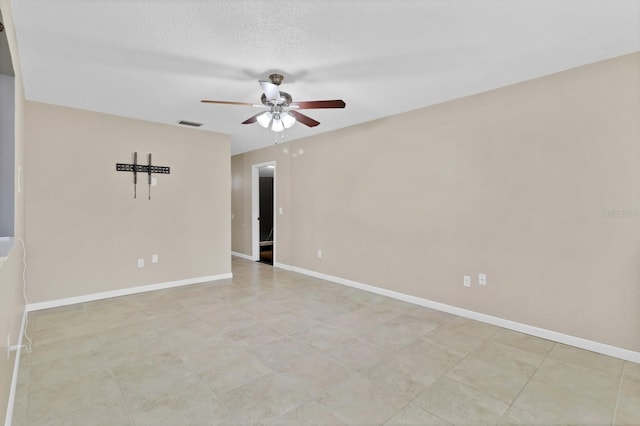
(255, 209)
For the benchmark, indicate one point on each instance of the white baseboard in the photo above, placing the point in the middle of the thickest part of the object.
(16, 368)
(555, 336)
(242, 255)
(124, 292)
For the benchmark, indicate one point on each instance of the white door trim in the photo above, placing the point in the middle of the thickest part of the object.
(255, 209)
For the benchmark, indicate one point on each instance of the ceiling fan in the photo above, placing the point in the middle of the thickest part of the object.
(282, 112)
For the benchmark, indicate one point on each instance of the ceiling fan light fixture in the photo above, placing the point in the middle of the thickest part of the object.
(287, 119)
(277, 125)
(264, 119)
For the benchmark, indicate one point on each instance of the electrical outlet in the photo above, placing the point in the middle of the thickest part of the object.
(320, 253)
(467, 281)
(140, 263)
(482, 279)
(154, 258)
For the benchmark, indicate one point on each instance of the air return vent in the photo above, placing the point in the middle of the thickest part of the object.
(189, 123)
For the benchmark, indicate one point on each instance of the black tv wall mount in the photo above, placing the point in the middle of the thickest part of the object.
(147, 169)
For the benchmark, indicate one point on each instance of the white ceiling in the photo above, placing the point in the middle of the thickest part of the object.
(155, 59)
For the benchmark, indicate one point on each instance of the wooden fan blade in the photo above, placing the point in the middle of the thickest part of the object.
(337, 103)
(207, 101)
(304, 119)
(252, 119)
(270, 90)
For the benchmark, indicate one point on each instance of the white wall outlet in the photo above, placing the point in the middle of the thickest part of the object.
(467, 281)
(319, 253)
(482, 279)
(140, 263)
(154, 181)
(280, 210)
(154, 258)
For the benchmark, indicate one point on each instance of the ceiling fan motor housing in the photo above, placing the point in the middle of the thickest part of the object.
(276, 79)
(285, 100)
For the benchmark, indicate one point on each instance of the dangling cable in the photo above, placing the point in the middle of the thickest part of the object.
(24, 293)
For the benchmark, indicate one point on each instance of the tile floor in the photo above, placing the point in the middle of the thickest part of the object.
(275, 347)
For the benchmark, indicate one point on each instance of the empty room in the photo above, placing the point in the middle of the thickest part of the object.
(319, 212)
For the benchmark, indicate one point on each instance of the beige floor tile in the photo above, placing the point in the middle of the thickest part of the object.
(157, 404)
(589, 384)
(314, 374)
(264, 310)
(418, 327)
(431, 315)
(253, 335)
(389, 337)
(490, 378)
(359, 401)
(397, 377)
(587, 359)
(243, 369)
(351, 357)
(61, 332)
(324, 311)
(111, 321)
(355, 354)
(291, 323)
(629, 399)
(460, 404)
(460, 339)
(323, 336)
(310, 414)
(626, 419)
(282, 353)
(209, 356)
(106, 413)
(378, 313)
(228, 320)
(523, 341)
(267, 397)
(631, 371)
(154, 370)
(63, 348)
(132, 342)
(56, 317)
(553, 404)
(508, 357)
(63, 369)
(66, 397)
(518, 417)
(427, 355)
(475, 328)
(175, 320)
(412, 415)
(191, 333)
(107, 308)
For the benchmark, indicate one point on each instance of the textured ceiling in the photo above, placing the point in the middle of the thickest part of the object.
(155, 59)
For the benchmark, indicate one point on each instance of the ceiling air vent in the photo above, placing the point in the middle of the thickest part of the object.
(189, 123)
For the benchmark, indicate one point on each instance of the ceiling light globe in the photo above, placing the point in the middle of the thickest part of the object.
(277, 125)
(264, 119)
(287, 119)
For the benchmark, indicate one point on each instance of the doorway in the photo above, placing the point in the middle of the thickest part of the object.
(264, 212)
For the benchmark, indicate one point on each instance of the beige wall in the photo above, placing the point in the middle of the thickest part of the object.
(511, 183)
(85, 231)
